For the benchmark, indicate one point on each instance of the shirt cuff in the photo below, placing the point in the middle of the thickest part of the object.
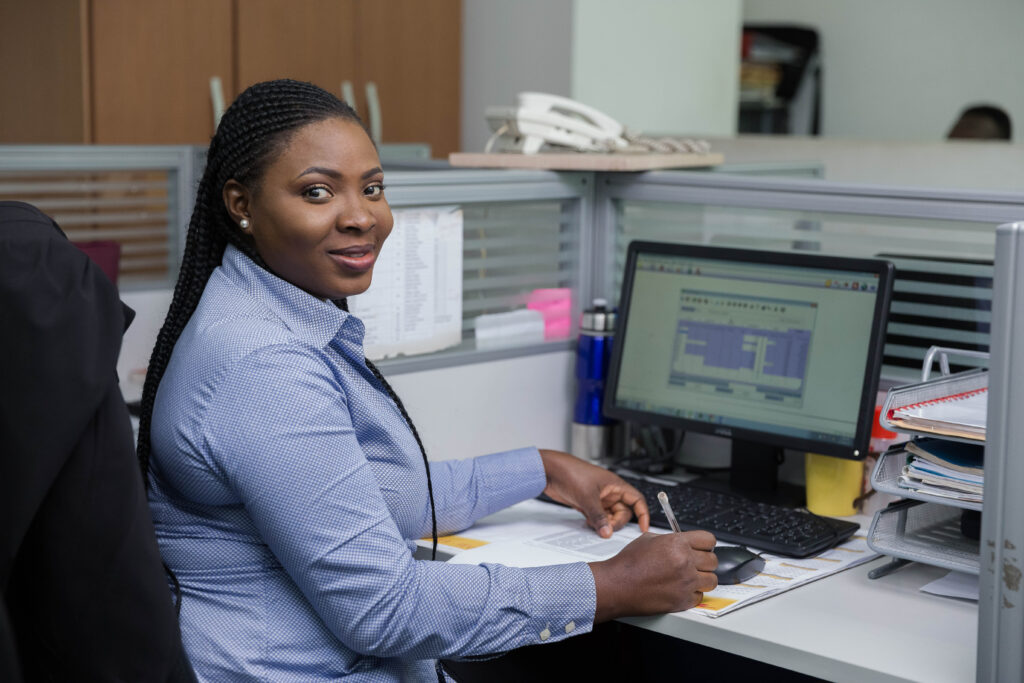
(565, 600)
(510, 477)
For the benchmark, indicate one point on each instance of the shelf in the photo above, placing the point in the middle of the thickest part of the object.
(885, 478)
(947, 385)
(584, 161)
(924, 532)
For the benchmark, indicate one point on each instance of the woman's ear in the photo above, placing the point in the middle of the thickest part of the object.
(236, 201)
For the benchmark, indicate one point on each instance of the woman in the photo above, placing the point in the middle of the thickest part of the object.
(287, 482)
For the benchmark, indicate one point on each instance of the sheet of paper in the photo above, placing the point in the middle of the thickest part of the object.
(415, 302)
(785, 573)
(955, 585)
(533, 534)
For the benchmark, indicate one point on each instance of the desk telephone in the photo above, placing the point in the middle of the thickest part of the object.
(542, 122)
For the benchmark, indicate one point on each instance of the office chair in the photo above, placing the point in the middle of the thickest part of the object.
(80, 572)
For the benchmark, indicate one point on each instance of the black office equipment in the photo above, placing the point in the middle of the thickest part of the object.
(733, 518)
(774, 350)
(736, 564)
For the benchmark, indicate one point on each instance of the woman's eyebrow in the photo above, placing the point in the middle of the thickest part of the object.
(330, 172)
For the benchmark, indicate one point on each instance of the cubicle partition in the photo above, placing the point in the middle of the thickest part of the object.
(529, 230)
(942, 243)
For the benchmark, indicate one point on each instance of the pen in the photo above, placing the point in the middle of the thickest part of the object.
(667, 509)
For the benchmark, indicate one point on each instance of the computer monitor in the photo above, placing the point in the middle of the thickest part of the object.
(773, 350)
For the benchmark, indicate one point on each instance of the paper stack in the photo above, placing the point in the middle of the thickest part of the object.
(949, 469)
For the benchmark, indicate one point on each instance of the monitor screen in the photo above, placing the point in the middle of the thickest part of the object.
(779, 348)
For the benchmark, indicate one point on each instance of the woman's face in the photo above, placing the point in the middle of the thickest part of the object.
(319, 217)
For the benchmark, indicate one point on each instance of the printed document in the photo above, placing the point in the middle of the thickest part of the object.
(534, 533)
(415, 302)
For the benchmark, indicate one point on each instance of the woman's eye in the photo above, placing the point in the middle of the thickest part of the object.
(317, 192)
(374, 191)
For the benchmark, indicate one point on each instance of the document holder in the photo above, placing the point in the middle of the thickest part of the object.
(947, 407)
(925, 527)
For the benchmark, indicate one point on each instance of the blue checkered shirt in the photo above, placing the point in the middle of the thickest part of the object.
(287, 492)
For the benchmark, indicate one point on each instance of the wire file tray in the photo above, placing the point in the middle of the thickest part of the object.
(924, 532)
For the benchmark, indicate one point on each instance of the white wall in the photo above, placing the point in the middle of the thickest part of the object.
(904, 70)
(507, 47)
(483, 408)
(657, 66)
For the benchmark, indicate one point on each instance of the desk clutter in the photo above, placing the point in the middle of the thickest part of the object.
(545, 131)
(534, 533)
(939, 473)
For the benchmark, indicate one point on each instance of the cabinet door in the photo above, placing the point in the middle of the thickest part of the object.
(43, 72)
(307, 40)
(412, 50)
(151, 69)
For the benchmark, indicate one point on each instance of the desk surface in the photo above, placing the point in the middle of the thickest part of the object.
(845, 627)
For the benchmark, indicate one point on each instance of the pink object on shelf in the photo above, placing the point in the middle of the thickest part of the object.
(556, 307)
(104, 253)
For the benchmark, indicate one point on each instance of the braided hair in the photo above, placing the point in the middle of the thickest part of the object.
(255, 128)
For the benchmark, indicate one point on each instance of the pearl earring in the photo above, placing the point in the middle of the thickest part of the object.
(244, 224)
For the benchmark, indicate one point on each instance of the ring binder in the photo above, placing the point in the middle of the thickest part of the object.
(957, 414)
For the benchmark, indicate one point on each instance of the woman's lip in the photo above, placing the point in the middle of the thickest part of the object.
(360, 259)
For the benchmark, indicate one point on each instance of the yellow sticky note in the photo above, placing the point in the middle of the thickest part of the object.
(714, 604)
(460, 542)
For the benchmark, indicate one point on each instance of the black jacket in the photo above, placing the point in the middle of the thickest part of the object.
(86, 595)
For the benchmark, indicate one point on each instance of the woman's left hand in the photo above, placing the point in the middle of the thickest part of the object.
(603, 497)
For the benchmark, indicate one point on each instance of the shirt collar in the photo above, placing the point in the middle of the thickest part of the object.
(304, 314)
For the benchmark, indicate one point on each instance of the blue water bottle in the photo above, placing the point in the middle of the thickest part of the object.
(589, 439)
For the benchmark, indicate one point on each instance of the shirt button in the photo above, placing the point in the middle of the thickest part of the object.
(545, 634)
(570, 627)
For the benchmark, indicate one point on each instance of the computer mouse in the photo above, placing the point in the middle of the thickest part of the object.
(737, 564)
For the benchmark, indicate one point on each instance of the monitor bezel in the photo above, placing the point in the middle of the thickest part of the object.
(858, 450)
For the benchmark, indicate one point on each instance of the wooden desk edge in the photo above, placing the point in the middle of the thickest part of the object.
(583, 161)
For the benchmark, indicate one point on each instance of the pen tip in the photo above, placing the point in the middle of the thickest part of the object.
(662, 496)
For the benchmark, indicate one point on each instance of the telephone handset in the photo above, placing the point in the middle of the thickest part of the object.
(542, 121)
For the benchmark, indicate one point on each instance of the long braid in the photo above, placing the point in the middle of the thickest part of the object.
(423, 451)
(256, 126)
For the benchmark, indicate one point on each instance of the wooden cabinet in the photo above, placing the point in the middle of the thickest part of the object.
(151, 69)
(411, 50)
(44, 72)
(125, 71)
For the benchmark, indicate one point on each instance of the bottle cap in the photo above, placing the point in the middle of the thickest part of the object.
(598, 318)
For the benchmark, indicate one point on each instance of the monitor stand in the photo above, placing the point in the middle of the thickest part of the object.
(754, 473)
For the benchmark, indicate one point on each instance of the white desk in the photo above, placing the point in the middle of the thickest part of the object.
(845, 627)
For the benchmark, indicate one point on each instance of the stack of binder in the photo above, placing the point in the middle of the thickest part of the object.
(939, 473)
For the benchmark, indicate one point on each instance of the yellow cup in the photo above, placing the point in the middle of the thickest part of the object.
(833, 484)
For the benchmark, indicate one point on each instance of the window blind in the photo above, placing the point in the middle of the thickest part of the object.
(942, 292)
(511, 249)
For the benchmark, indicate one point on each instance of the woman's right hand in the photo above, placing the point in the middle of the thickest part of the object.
(655, 574)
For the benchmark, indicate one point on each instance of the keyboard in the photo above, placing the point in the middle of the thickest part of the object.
(732, 518)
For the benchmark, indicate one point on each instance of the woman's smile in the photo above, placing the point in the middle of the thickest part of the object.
(358, 258)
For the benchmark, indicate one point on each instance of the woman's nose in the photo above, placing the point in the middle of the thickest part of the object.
(355, 216)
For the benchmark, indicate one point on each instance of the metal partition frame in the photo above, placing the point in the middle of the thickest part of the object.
(443, 187)
(1001, 607)
(183, 164)
(787, 194)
